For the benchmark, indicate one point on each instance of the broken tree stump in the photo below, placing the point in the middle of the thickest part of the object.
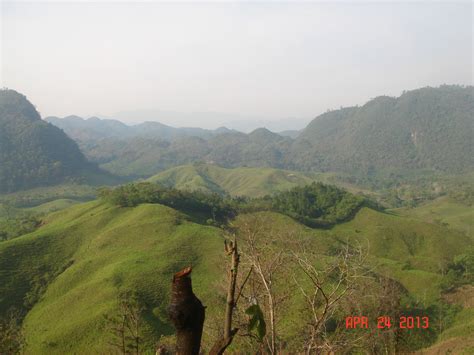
(186, 313)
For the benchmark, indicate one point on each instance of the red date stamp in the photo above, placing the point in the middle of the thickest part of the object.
(386, 322)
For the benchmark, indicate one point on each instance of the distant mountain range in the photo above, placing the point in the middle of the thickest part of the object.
(239, 122)
(95, 128)
(429, 130)
(424, 130)
(142, 157)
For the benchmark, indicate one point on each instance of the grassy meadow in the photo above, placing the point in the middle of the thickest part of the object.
(75, 258)
(69, 272)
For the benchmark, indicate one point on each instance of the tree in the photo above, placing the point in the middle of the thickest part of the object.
(268, 261)
(233, 296)
(326, 282)
(125, 325)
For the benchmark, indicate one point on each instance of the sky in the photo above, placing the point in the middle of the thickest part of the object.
(238, 61)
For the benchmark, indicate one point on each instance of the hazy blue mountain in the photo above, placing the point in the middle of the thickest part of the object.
(274, 125)
(240, 122)
(428, 128)
(94, 128)
(292, 133)
(90, 129)
(425, 130)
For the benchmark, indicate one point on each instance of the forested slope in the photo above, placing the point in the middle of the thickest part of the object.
(428, 128)
(32, 152)
(426, 131)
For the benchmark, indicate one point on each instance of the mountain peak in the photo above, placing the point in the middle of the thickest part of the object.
(46, 153)
(15, 106)
(264, 134)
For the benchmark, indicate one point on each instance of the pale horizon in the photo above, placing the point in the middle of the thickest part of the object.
(259, 61)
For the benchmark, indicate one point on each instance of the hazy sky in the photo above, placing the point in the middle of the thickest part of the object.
(272, 60)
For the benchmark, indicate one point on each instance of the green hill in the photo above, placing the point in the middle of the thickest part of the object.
(412, 251)
(444, 211)
(35, 153)
(428, 128)
(144, 157)
(423, 132)
(68, 273)
(244, 181)
(71, 270)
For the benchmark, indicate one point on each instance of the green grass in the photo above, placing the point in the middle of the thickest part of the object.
(411, 251)
(457, 339)
(423, 245)
(73, 267)
(463, 325)
(52, 206)
(243, 181)
(444, 211)
(17, 221)
(90, 252)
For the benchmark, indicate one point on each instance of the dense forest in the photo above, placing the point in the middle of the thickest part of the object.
(424, 132)
(315, 205)
(143, 157)
(387, 140)
(429, 128)
(36, 153)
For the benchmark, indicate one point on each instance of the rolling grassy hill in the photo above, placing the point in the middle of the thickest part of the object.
(84, 255)
(444, 211)
(69, 272)
(52, 206)
(254, 182)
(411, 251)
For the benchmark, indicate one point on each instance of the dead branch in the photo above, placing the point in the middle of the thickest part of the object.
(229, 333)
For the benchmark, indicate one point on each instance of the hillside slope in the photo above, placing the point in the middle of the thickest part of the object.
(70, 271)
(252, 182)
(35, 153)
(84, 256)
(428, 128)
(444, 211)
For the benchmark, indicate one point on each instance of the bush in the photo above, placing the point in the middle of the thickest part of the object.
(317, 204)
(211, 206)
